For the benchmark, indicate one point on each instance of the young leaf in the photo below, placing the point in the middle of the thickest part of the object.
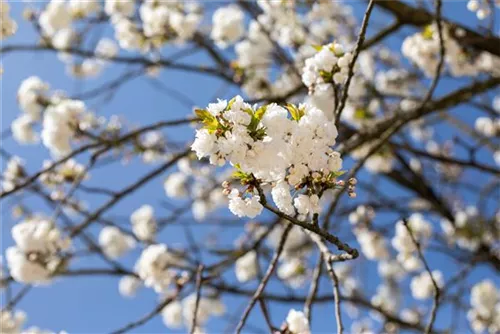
(336, 174)
(295, 112)
(260, 112)
(428, 32)
(207, 119)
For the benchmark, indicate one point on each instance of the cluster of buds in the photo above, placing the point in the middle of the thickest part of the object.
(319, 181)
(68, 172)
(247, 180)
(226, 188)
(351, 187)
(330, 65)
(181, 279)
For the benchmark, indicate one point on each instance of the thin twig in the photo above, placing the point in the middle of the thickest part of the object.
(313, 290)
(350, 253)
(359, 43)
(147, 317)
(199, 273)
(126, 191)
(329, 258)
(435, 306)
(267, 317)
(267, 276)
(133, 134)
(336, 294)
(17, 298)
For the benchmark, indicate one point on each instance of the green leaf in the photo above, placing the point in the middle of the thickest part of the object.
(336, 174)
(238, 175)
(332, 48)
(317, 47)
(360, 113)
(300, 270)
(254, 123)
(242, 176)
(202, 113)
(248, 111)
(260, 112)
(428, 32)
(259, 134)
(295, 112)
(327, 76)
(230, 103)
(211, 123)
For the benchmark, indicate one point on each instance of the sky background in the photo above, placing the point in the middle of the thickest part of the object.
(93, 304)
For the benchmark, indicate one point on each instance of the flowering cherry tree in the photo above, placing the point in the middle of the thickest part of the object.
(347, 165)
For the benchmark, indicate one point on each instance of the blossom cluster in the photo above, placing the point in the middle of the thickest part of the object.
(293, 265)
(469, 231)
(417, 228)
(179, 313)
(384, 297)
(58, 22)
(253, 58)
(246, 267)
(422, 286)
(9, 26)
(114, 242)
(198, 182)
(484, 314)
(159, 268)
(285, 147)
(144, 223)
(60, 117)
(67, 172)
(64, 121)
(423, 49)
(395, 81)
(12, 322)
(105, 49)
(57, 16)
(279, 23)
(38, 252)
(487, 126)
(446, 149)
(297, 322)
(373, 244)
(153, 267)
(329, 65)
(228, 25)
(481, 7)
(13, 173)
(381, 161)
(160, 22)
(151, 146)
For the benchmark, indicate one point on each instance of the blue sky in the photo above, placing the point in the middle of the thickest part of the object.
(93, 304)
